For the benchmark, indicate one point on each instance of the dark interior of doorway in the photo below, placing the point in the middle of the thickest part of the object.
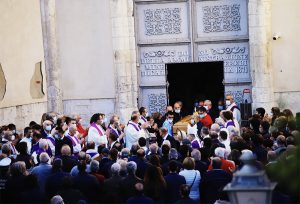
(189, 82)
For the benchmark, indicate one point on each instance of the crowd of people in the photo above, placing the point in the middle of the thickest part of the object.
(145, 160)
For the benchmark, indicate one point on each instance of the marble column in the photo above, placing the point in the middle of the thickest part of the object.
(260, 37)
(124, 49)
(52, 62)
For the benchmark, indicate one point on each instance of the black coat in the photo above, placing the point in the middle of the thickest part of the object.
(61, 142)
(174, 181)
(112, 189)
(88, 186)
(54, 183)
(127, 186)
(213, 183)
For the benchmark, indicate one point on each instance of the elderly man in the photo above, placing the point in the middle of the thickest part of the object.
(46, 132)
(112, 186)
(134, 131)
(42, 147)
(232, 106)
(68, 160)
(163, 131)
(210, 111)
(178, 113)
(75, 141)
(226, 165)
(129, 181)
(43, 170)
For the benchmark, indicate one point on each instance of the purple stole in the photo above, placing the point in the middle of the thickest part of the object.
(112, 130)
(92, 154)
(73, 140)
(136, 127)
(98, 129)
(51, 139)
(230, 123)
(143, 118)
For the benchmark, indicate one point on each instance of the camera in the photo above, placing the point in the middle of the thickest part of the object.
(276, 36)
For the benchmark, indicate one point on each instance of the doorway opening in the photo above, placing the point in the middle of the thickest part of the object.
(190, 82)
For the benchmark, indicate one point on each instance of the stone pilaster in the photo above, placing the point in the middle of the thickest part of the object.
(260, 53)
(52, 63)
(124, 57)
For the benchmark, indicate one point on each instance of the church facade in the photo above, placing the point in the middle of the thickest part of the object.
(111, 56)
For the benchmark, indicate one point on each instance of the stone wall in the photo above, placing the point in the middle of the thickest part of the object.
(21, 115)
(124, 49)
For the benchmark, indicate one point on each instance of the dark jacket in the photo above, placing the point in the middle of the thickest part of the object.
(213, 183)
(140, 200)
(112, 189)
(68, 163)
(174, 181)
(88, 186)
(127, 186)
(54, 183)
(61, 142)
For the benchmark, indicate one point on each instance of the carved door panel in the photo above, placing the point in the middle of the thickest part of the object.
(180, 31)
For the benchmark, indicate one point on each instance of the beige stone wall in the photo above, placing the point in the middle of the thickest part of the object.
(285, 53)
(21, 48)
(85, 49)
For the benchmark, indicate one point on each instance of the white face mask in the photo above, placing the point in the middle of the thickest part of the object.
(13, 138)
(104, 120)
(48, 128)
(55, 120)
(192, 121)
(206, 107)
(73, 125)
(228, 103)
(147, 114)
(170, 120)
(177, 110)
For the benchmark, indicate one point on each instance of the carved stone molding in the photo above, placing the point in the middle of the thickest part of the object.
(162, 21)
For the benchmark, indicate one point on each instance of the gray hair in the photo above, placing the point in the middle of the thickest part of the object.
(215, 127)
(94, 166)
(196, 154)
(173, 154)
(57, 200)
(66, 150)
(6, 149)
(44, 157)
(131, 167)
(115, 168)
(153, 148)
(43, 143)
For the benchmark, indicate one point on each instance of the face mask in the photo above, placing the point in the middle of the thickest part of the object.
(80, 121)
(271, 114)
(170, 120)
(14, 132)
(192, 121)
(206, 107)
(220, 108)
(73, 125)
(48, 127)
(261, 130)
(228, 103)
(57, 136)
(147, 114)
(13, 138)
(202, 115)
(177, 110)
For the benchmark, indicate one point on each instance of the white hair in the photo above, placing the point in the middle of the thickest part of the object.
(123, 164)
(215, 127)
(207, 101)
(43, 143)
(115, 168)
(44, 157)
(166, 142)
(57, 200)
(153, 148)
(131, 167)
(220, 152)
(196, 154)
